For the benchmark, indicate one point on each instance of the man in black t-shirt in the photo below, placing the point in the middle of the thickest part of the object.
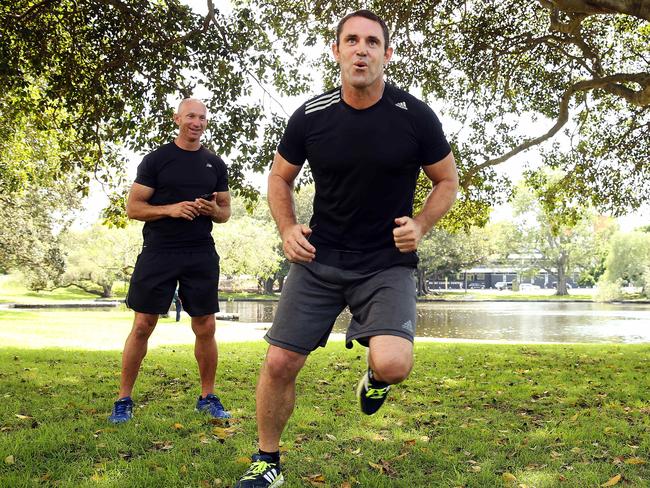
(179, 191)
(366, 143)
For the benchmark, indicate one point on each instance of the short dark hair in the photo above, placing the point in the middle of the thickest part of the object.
(366, 14)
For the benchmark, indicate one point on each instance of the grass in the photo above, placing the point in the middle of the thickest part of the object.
(470, 415)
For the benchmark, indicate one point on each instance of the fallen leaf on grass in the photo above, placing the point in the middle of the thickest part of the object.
(384, 467)
(243, 460)
(10, 459)
(345, 484)
(221, 422)
(162, 445)
(315, 479)
(508, 477)
(330, 437)
(178, 426)
(612, 481)
(222, 433)
(23, 417)
(635, 460)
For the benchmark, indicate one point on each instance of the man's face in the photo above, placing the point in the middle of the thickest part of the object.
(191, 120)
(361, 53)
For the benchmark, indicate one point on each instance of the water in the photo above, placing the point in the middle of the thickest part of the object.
(505, 321)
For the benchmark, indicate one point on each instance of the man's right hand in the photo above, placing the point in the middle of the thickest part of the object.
(184, 210)
(296, 247)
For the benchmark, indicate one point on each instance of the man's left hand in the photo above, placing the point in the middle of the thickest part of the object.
(407, 234)
(208, 207)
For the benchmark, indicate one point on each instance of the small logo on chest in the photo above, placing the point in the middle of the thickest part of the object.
(208, 165)
(401, 105)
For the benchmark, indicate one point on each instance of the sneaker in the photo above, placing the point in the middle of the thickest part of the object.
(371, 396)
(262, 473)
(213, 406)
(122, 411)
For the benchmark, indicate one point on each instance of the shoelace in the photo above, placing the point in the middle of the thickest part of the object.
(258, 467)
(215, 402)
(121, 408)
(377, 393)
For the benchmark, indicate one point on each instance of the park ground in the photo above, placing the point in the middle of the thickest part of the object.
(470, 415)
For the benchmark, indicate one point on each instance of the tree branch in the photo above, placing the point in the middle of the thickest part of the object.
(611, 84)
(635, 8)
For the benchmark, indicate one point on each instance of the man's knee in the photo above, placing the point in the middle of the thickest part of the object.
(393, 369)
(203, 326)
(391, 358)
(281, 364)
(143, 325)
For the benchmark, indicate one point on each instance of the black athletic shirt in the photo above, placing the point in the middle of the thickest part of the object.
(365, 164)
(178, 175)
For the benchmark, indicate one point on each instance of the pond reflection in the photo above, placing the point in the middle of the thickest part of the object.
(505, 321)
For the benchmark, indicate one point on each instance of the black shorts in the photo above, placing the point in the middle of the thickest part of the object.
(156, 274)
(381, 302)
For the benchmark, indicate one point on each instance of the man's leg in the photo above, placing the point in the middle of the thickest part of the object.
(390, 358)
(276, 395)
(135, 349)
(205, 351)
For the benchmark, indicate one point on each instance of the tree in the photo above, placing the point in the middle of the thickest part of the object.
(247, 247)
(445, 252)
(97, 257)
(104, 69)
(31, 222)
(102, 72)
(575, 68)
(628, 263)
(563, 235)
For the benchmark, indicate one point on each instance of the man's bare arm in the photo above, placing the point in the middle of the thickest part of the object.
(138, 207)
(280, 196)
(444, 176)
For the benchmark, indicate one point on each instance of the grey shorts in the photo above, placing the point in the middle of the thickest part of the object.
(381, 302)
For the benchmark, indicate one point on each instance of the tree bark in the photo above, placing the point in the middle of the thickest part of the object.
(561, 274)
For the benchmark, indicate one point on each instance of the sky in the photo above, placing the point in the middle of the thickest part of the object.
(513, 168)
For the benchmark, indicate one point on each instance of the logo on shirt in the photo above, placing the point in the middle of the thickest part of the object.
(208, 165)
(401, 105)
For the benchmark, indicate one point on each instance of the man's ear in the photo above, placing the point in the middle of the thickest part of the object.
(335, 51)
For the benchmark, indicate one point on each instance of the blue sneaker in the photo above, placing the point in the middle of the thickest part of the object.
(122, 411)
(213, 406)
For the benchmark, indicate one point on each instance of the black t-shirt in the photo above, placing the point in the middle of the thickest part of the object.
(178, 175)
(365, 164)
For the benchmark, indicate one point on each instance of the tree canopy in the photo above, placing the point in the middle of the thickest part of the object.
(103, 72)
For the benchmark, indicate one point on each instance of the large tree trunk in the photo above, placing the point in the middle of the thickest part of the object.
(268, 286)
(107, 290)
(422, 288)
(281, 283)
(562, 262)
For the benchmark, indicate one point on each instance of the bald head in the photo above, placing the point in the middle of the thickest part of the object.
(191, 119)
(191, 104)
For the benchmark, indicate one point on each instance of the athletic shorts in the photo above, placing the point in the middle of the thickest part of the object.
(157, 273)
(381, 303)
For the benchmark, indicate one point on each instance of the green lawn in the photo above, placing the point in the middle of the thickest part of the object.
(471, 415)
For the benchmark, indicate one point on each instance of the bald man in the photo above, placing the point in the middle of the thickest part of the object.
(180, 189)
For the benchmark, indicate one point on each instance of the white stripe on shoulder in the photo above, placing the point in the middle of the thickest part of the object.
(326, 97)
(322, 106)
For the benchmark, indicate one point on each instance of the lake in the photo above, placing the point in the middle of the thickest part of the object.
(505, 321)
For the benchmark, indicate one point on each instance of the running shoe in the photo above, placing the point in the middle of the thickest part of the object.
(122, 411)
(371, 394)
(262, 473)
(213, 406)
